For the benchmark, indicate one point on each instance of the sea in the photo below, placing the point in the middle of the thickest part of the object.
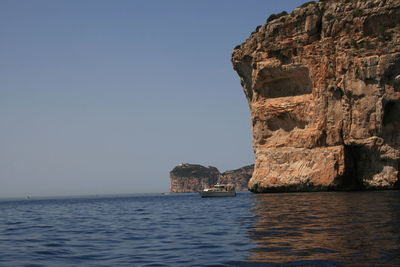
(287, 229)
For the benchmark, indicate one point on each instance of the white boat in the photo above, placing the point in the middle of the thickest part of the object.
(219, 190)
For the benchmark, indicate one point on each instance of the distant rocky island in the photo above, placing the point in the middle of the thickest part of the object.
(193, 177)
(323, 86)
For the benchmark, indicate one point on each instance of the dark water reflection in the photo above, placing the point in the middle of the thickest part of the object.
(329, 228)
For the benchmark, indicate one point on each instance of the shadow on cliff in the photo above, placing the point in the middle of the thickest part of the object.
(362, 165)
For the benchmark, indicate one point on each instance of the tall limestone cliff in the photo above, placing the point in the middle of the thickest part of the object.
(193, 178)
(323, 86)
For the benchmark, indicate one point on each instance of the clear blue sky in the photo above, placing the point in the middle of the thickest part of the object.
(104, 97)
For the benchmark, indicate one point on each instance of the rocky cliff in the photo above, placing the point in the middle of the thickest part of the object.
(323, 86)
(239, 178)
(194, 178)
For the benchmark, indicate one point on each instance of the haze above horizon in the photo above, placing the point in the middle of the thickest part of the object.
(106, 97)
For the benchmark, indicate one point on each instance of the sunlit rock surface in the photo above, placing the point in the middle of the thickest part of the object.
(323, 86)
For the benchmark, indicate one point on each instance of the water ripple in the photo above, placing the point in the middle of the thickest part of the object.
(314, 229)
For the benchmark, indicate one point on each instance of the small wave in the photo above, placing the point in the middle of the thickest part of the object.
(53, 245)
(47, 252)
(270, 249)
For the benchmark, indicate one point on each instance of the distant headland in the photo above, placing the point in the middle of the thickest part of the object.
(187, 177)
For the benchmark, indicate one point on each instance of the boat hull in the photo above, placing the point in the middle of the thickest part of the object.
(217, 194)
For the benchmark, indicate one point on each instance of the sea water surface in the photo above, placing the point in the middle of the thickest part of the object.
(295, 229)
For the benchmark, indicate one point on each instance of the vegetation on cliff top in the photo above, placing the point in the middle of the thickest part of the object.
(276, 16)
(194, 170)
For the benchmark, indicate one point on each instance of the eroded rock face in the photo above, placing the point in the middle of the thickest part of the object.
(239, 178)
(323, 86)
(194, 178)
